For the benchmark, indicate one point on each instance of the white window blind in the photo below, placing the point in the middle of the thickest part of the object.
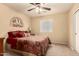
(46, 26)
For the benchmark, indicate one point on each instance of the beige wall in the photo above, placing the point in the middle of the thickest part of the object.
(59, 32)
(71, 31)
(5, 15)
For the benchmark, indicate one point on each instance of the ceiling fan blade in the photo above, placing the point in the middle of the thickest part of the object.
(46, 8)
(31, 9)
(32, 3)
(35, 4)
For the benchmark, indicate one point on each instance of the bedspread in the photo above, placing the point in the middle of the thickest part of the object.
(37, 45)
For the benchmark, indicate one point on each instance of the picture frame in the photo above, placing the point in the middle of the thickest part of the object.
(16, 22)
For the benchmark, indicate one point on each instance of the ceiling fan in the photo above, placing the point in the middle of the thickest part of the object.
(39, 7)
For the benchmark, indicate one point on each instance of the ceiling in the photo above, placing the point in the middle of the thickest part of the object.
(55, 8)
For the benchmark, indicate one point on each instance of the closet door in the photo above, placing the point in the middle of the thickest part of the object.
(77, 30)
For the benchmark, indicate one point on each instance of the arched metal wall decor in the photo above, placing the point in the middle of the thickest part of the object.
(16, 22)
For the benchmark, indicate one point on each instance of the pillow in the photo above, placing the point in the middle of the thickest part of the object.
(21, 34)
(16, 34)
(27, 34)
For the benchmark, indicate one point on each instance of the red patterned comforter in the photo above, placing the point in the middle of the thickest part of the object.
(33, 44)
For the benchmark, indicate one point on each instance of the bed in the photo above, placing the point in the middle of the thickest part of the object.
(34, 44)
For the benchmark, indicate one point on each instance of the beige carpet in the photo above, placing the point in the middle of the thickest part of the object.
(60, 50)
(53, 50)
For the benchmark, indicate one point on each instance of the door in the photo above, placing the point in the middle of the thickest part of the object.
(76, 25)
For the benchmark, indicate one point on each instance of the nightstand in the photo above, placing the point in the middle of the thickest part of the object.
(1, 46)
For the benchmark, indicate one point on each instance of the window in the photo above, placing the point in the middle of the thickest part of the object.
(46, 26)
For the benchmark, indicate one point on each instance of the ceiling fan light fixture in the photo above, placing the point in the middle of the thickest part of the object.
(37, 9)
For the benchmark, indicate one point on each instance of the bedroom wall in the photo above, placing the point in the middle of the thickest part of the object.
(59, 32)
(5, 16)
(72, 42)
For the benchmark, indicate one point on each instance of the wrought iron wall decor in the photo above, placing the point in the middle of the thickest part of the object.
(16, 22)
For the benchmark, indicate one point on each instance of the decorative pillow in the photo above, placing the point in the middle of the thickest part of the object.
(21, 34)
(27, 34)
(15, 34)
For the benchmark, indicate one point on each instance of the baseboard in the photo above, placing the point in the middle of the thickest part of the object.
(60, 44)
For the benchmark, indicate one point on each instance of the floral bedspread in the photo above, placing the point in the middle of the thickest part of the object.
(36, 45)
